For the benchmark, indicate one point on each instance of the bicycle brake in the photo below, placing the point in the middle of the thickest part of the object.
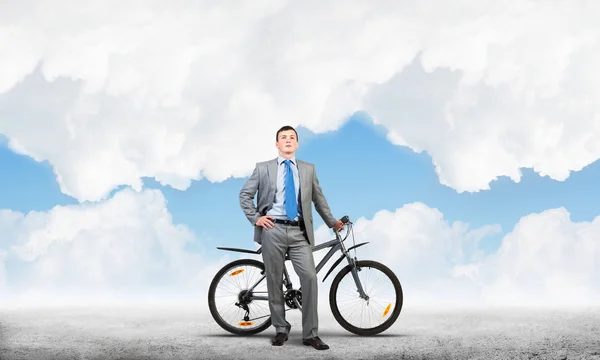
(355, 264)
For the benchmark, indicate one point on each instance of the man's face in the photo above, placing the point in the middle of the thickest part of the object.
(287, 142)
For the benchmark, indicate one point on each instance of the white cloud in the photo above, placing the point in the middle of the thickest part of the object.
(125, 248)
(546, 260)
(3, 287)
(109, 93)
(423, 249)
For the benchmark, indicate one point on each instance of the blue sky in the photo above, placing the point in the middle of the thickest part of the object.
(113, 105)
(361, 173)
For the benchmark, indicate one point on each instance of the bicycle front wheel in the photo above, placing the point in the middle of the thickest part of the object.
(379, 311)
(232, 291)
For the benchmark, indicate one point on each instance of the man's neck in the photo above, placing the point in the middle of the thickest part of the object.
(287, 156)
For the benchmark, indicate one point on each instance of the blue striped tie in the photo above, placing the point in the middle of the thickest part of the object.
(291, 204)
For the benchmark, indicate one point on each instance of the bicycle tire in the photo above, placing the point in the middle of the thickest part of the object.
(368, 331)
(211, 299)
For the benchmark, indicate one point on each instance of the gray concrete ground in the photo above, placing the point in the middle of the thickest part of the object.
(184, 333)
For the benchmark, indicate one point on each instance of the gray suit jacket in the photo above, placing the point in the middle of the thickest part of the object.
(264, 181)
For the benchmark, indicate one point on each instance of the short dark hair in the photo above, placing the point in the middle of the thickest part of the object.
(283, 128)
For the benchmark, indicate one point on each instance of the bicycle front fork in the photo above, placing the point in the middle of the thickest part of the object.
(354, 269)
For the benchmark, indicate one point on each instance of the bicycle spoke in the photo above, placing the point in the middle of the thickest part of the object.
(230, 290)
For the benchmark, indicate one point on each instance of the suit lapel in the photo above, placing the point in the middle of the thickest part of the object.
(272, 170)
(303, 179)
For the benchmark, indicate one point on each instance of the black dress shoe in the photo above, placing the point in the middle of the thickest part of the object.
(316, 343)
(279, 339)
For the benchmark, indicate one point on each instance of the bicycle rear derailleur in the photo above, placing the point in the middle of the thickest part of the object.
(243, 303)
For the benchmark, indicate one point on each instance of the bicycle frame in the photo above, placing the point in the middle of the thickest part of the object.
(334, 245)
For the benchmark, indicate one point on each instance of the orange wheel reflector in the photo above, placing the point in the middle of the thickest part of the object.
(246, 323)
(236, 272)
(387, 310)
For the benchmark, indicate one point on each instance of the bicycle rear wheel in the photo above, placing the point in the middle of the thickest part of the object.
(366, 317)
(230, 286)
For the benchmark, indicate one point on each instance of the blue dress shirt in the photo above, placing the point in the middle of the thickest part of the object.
(278, 209)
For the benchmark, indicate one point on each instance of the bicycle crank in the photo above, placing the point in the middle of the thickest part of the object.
(293, 299)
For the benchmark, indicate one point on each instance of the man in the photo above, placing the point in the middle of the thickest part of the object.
(283, 224)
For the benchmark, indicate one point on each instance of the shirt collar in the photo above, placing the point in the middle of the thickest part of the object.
(281, 159)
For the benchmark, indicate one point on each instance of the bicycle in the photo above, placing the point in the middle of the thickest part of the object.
(247, 298)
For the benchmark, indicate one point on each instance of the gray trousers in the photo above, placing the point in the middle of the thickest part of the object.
(276, 242)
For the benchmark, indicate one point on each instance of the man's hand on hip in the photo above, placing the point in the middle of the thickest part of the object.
(266, 222)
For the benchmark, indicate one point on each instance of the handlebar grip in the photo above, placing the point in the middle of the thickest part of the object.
(345, 219)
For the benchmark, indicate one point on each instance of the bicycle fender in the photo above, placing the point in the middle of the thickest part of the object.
(355, 246)
(333, 266)
(239, 250)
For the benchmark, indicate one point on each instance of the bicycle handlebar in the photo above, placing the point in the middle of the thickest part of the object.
(345, 221)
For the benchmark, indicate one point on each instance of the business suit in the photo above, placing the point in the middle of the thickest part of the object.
(296, 241)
